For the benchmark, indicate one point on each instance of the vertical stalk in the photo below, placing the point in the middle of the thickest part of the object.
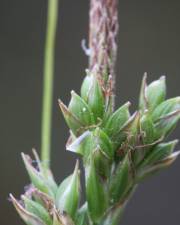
(103, 30)
(52, 15)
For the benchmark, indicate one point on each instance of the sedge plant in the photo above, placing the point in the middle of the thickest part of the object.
(118, 149)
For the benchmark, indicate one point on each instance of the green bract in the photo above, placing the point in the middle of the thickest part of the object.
(92, 93)
(28, 217)
(121, 180)
(153, 94)
(78, 115)
(68, 193)
(159, 152)
(40, 178)
(37, 209)
(97, 197)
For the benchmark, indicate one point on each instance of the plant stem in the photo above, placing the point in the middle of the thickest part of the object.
(103, 30)
(52, 15)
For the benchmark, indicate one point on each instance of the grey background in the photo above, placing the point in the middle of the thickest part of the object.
(149, 40)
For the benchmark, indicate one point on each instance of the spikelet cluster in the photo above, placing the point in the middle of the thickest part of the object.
(119, 150)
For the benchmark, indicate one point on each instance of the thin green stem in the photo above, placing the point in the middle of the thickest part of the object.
(52, 15)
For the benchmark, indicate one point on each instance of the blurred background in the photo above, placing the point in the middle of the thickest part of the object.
(149, 40)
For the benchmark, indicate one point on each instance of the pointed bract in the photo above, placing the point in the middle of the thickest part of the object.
(153, 94)
(37, 178)
(95, 193)
(158, 166)
(91, 92)
(165, 108)
(68, 194)
(81, 110)
(159, 152)
(37, 209)
(165, 125)
(116, 122)
(73, 123)
(121, 181)
(28, 218)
